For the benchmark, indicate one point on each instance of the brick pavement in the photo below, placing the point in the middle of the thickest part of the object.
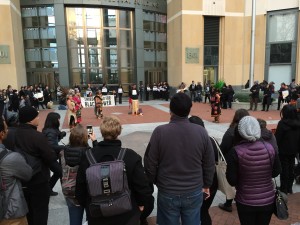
(152, 114)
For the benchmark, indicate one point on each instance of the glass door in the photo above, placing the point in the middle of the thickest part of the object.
(210, 74)
(152, 76)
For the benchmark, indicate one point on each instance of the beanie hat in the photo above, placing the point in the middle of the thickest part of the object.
(249, 128)
(27, 114)
(181, 104)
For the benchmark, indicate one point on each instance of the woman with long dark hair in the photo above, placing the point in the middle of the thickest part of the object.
(54, 135)
(204, 215)
(228, 141)
(288, 140)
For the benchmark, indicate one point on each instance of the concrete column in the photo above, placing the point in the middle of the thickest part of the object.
(12, 63)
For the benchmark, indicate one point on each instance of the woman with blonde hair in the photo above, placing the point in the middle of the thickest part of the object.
(138, 183)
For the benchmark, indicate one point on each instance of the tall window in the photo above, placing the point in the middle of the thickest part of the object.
(100, 43)
(39, 37)
(211, 48)
(155, 45)
(281, 46)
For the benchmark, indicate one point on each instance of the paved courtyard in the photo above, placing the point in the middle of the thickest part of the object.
(136, 134)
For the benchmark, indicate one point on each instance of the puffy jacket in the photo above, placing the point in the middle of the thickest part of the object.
(250, 168)
(12, 176)
(74, 155)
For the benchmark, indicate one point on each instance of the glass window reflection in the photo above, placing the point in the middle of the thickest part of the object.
(97, 40)
(125, 19)
(92, 17)
(96, 76)
(95, 57)
(125, 38)
(109, 17)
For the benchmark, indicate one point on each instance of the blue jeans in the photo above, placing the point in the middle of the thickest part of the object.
(171, 208)
(75, 213)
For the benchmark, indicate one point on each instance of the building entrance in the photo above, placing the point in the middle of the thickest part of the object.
(46, 78)
(154, 76)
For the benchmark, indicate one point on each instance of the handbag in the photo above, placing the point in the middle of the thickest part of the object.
(280, 207)
(221, 167)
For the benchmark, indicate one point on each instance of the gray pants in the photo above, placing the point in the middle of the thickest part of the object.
(255, 101)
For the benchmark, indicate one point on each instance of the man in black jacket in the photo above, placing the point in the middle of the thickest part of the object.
(34, 146)
(254, 96)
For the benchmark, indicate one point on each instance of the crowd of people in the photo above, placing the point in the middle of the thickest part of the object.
(186, 189)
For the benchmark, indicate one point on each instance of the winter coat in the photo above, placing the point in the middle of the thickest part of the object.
(250, 168)
(288, 136)
(34, 143)
(54, 136)
(137, 181)
(12, 175)
(227, 141)
(175, 149)
(74, 155)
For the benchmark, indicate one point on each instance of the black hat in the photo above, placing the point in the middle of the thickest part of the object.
(181, 104)
(27, 114)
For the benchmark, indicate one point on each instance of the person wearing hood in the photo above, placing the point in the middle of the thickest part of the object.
(288, 140)
(251, 165)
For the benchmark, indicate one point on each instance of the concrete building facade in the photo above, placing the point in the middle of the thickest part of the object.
(132, 41)
(210, 41)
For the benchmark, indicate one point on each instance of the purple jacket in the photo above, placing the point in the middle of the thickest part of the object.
(255, 186)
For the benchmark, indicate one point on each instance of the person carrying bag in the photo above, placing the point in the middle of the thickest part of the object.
(223, 184)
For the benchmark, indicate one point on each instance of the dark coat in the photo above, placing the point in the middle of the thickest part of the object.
(227, 141)
(54, 136)
(33, 142)
(250, 168)
(74, 155)
(255, 91)
(288, 136)
(137, 181)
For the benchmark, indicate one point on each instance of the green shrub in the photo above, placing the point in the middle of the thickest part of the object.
(243, 96)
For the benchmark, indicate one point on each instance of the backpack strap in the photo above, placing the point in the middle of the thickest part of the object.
(90, 157)
(122, 154)
(3, 154)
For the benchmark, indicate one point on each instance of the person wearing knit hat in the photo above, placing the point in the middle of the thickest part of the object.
(251, 165)
(42, 158)
(249, 128)
(27, 114)
(181, 104)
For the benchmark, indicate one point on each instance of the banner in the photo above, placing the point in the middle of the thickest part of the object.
(107, 100)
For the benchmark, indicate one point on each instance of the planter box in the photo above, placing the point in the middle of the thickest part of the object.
(246, 105)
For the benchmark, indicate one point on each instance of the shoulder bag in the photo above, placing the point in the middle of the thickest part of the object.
(280, 207)
(221, 167)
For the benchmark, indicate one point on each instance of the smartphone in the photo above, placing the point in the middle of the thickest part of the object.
(89, 129)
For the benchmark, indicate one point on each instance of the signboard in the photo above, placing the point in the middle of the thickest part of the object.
(192, 55)
(108, 100)
(4, 54)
